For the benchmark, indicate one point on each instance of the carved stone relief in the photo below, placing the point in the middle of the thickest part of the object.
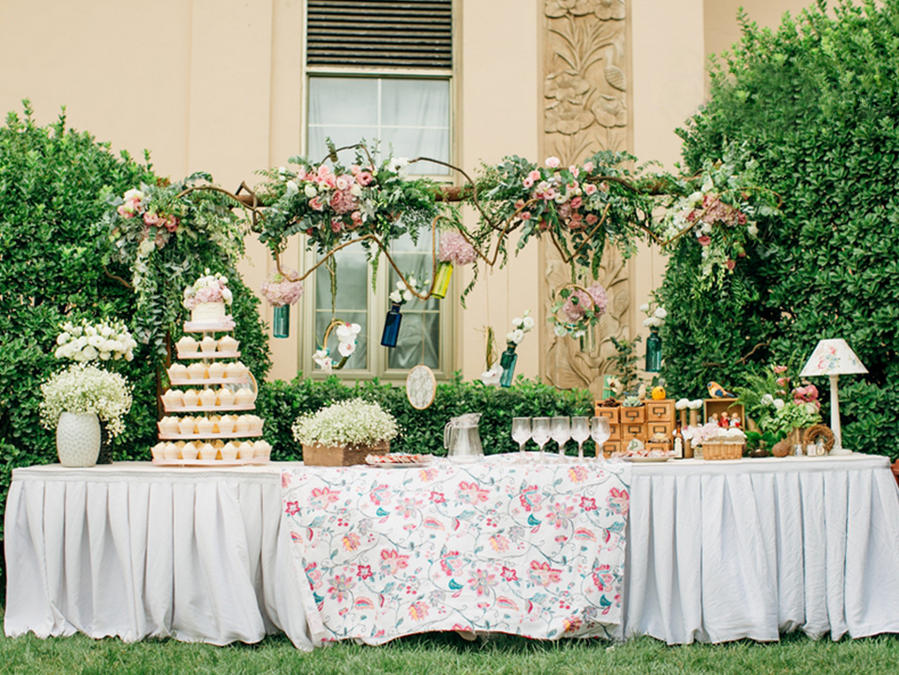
(585, 96)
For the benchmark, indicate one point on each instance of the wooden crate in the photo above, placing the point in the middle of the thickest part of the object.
(716, 406)
(341, 455)
(633, 415)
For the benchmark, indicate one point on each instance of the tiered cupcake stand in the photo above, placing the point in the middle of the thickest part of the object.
(225, 433)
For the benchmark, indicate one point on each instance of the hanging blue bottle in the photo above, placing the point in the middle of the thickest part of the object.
(508, 361)
(392, 326)
(653, 351)
(281, 321)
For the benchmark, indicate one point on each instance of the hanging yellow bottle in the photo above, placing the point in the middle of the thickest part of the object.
(442, 280)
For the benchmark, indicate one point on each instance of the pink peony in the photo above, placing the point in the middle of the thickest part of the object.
(576, 202)
(343, 182)
(525, 215)
(595, 300)
(342, 202)
(282, 292)
(455, 249)
(316, 203)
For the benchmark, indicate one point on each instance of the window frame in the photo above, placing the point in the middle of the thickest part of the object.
(377, 299)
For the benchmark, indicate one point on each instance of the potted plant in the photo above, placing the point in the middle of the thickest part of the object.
(344, 433)
(73, 400)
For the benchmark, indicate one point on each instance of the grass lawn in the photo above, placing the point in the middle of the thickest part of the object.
(447, 653)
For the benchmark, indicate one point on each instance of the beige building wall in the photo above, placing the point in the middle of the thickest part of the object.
(217, 85)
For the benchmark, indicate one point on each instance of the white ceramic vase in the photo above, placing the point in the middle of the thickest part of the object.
(78, 439)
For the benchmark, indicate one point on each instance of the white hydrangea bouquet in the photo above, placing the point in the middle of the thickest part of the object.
(87, 342)
(208, 288)
(84, 388)
(351, 422)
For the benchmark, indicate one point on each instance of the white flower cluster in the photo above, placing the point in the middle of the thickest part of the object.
(402, 294)
(492, 376)
(654, 317)
(776, 403)
(683, 404)
(86, 341)
(85, 388)
(520, 326)
(208, 288)
(347, 334)
(352, 422)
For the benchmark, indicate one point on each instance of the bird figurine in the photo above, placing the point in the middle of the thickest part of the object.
(717, 391)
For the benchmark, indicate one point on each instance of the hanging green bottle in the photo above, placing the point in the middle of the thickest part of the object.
(508, 361)
(653, 351)
(281, 321)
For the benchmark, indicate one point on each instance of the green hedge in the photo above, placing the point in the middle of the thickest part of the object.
(279, 403)
(816, 104)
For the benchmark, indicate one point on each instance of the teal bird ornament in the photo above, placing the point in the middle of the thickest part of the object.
(717, 391)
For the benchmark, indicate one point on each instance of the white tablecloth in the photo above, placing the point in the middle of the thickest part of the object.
(749, 548)
(716, 551)
(135, 550)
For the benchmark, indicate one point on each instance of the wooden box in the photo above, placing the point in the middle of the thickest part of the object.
(629, 431)
(660, 411)
(716, 406)
(664, 428)
(633, 415)
(611, 413)
(341, 455)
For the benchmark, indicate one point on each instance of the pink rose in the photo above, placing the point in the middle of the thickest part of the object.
(525, 215)
(527, 182)
(591, 219)
(552, 162)
(574, 171)
(589, 189)
(125, 212)
(704, 240)
(730, 264)
(588, 167)
(576, 202)
(323, 170)
(534, 175)
(364, 178)
(343, 182)
(316, 204)
(779, 369)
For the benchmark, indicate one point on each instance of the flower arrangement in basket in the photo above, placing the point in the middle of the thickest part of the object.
(344, 433)
(718, 442)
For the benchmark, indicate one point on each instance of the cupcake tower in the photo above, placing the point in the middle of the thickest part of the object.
(208, 406)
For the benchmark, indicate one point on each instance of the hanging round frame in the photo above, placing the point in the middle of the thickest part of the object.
(421, 387)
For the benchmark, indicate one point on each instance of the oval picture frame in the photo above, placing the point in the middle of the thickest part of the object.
(421, 387)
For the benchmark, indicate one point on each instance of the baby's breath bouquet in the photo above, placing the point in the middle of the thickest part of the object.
(352, 422)
(83, 388)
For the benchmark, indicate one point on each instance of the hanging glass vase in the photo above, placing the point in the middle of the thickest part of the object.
(392, 326)
(508, 361)
(653, 351)
(281, 321)
(442, 280)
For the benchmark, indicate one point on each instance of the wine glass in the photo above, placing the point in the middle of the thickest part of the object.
(580, 432)
(521, 431)
(561, 432)
(540, 431)
(600, 432)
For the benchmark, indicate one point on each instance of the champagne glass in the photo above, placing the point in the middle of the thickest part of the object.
(540, 431)
(600, 432)
(561, 432)
(580, 432)
(521, 431)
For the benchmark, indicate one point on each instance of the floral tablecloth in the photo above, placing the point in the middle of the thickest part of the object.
(535, 549)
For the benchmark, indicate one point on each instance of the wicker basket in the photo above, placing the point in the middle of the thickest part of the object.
(342, 455)
(723, 450)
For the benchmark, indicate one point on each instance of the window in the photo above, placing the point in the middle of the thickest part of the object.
(380, 75)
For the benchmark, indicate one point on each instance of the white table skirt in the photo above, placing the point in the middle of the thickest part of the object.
(717, 551)
(134, 550)
(724, 550)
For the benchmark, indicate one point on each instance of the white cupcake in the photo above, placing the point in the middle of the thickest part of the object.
(158, 451)
(187, 426)
(207, 451)
(217, 370)
(262, 450)
(207, 398)
(177, 372)
(191, 398)
(255, 423)
(186, 345)
(229, 452)
(173, 398)
(244, 397)
(197, 371)
(171, 451)
(190, 450)
(208, 344)
(204, 426)
(226, 424)
(228, 344)
(225, 397)
(168, 425)
(245, 450)
(242, 425)
(236, 370)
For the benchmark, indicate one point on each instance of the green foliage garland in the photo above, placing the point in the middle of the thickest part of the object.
(814, 105)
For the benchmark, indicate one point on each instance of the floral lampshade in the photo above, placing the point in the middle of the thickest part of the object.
(833, 357)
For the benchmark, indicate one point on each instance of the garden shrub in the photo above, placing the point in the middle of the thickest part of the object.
(280, 403)
(816, 104)
(52, 186)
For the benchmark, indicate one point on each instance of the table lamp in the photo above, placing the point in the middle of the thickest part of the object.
(834, 358)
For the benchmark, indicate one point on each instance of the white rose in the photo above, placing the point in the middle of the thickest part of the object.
(778, 403)
(517, 321)
(528, 324)
(355, 189)
(292, 187)
(309, 190)
(767, 399)
(345, 333)
(560, 330)
(63, 338)
(396, 297)
(647, 322)
(104, 356)
(227, 296)
(644, 308)
(752, 230)
(660, 313)
(89, 353)
(515, 336)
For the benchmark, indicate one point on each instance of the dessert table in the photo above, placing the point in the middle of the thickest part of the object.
(715, 551)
